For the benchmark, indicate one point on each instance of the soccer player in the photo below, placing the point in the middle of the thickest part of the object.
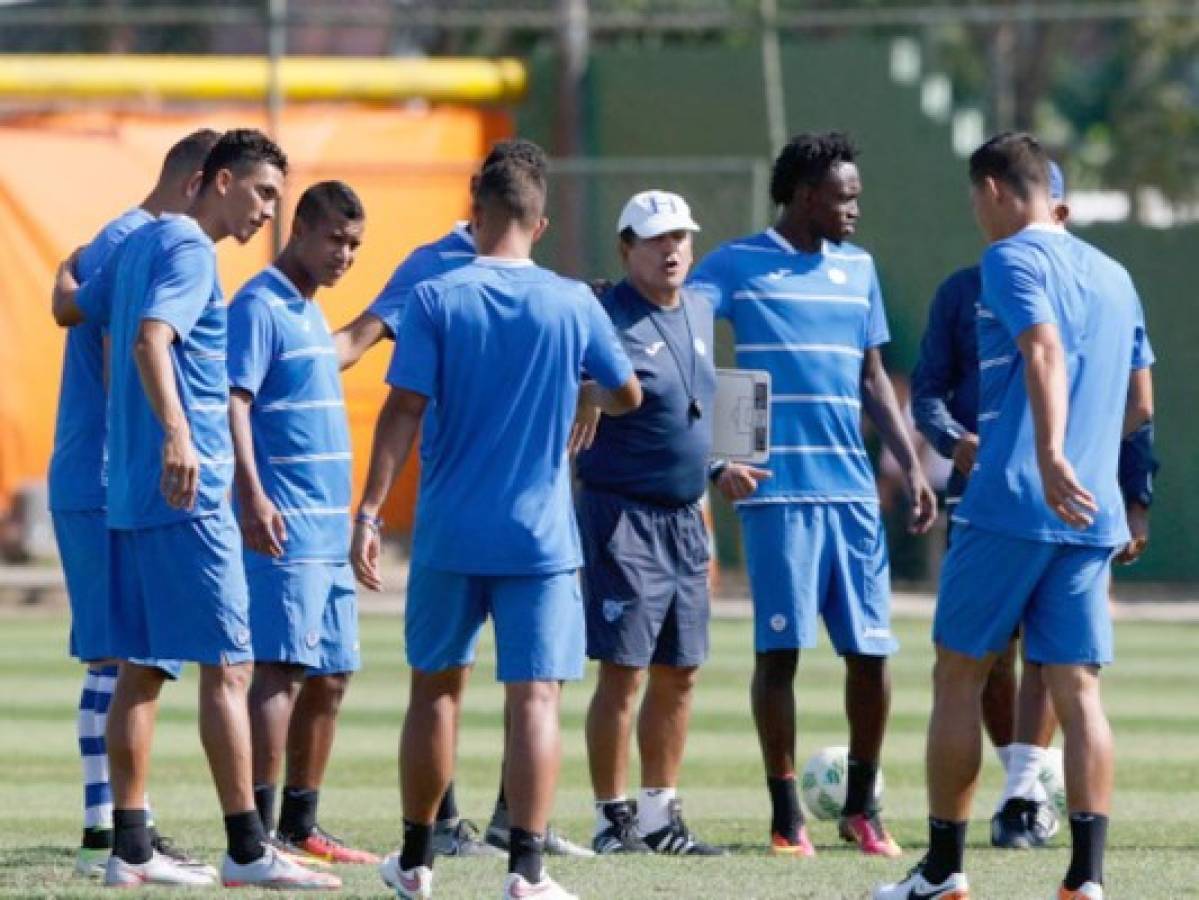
(292, 443)
(76, 481)
(805, 305)
(453, 835)
(645, 545)
(178, 587)
(1056, 335)
(1019, 722)
(495, 348)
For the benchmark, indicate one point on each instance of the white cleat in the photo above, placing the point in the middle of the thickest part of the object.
(1087, 891)
(275, 871)
(411, 884)
(916, 887)
(158, 869)
(516, 887)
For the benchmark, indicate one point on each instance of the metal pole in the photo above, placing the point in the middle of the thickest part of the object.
(276, 42)
(573, 49)
(772, 77)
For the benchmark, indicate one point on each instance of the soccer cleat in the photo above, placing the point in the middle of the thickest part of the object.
(172, 851)
(798, 844)
(676, 838)
(555, 844)
(284, 848)
(516, 887)
(411, 884)
(916, 887)
(620, 835)
(460, 837)
(867, 831)
(558, 845)
(1042, 822)
(1087, 891)
(1009, 826)
(319, 844)
(275, 871)
(158, 869)
(90, 862)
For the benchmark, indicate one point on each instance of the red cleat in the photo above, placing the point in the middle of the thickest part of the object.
(323, 846)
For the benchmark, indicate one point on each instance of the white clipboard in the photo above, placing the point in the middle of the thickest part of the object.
(741, 422)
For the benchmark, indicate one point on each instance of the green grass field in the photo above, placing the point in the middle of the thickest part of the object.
(1150, 694)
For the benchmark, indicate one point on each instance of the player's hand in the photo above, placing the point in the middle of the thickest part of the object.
(1069, 500)
(586, 423)
(924, 503)
(1138, 524)
(180, 470)
(736, 482)
(365, 548)
(65, 276)
(964, 453)
(262, 525)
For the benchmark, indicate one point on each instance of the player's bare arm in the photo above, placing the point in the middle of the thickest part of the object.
(354, 339)
(262, 525)
(63, 307)
(878, 399)
(594, 401)
(1045, 377)
(395, 435)
(180, 464)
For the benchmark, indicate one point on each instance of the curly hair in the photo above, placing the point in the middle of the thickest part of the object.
(807, 159)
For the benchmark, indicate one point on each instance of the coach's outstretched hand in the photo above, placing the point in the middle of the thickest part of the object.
(1069, 500)
(736, 482)
(364, 554)
(180, 470)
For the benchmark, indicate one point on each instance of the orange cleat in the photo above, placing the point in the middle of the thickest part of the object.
(782, 845)
(321, 845)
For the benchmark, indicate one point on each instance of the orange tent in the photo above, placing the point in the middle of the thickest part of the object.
(64, 174)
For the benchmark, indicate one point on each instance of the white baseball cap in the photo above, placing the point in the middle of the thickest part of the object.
(652, 213)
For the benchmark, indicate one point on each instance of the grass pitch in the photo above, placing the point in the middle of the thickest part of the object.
(1151, 695)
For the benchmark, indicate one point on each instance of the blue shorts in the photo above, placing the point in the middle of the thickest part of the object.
(305, 614)
(179, 592)
(991, 584)
(645, 581)
(83, 546)
(538, 622)
(826, 559)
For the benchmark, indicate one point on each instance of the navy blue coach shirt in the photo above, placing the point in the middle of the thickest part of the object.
(659, 453)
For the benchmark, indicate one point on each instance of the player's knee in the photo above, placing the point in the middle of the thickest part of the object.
(676, 680)
(617, 686)
(776, 668)
(955, 674)
(330, 688)
(227, 679)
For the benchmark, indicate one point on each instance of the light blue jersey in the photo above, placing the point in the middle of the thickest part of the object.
(281, 353)
(1044, 275)
(498, 345)
(77, 468)
(807, 319)
(449, 252)
(165, 271)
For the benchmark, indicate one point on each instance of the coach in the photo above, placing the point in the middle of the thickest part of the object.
(644, 541)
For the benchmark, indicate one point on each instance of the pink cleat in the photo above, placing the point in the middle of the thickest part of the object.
(867, 831)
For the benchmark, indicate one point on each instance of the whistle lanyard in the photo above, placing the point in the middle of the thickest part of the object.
(694, 409)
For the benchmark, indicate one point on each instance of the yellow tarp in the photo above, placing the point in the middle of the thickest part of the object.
(63, 175)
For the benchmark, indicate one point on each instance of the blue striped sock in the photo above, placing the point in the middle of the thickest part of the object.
(98, 684)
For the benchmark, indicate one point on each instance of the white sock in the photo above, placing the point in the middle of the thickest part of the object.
(1024, 764)
(653, 809)
(89, 726)
(601, 821)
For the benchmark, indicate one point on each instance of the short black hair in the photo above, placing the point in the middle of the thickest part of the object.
(1014, 157)
(329, 198)
(188, 154)
(515, 183)
(240, 149)
(807, 159)
(518, 149)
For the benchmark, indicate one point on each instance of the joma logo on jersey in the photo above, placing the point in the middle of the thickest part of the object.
(777, 275)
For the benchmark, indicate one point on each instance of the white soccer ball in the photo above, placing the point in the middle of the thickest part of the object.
(1052, 776)
(823, 783)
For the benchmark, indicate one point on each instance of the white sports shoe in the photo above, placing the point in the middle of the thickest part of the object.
(275, 871)
(414, 884)
(158, 869)
(916, 887)
(516, 887)
(1087, 891)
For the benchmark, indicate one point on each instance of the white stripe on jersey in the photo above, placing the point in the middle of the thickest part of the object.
(809, 450)
(287, 405)
(314, 350)
(799, 348)
(309, 457)
(817, 398)
(315, 511)
(795, 297)
(995, 361)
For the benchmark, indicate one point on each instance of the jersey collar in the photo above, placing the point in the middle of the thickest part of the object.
(286, 282)
(462, 229)
(788, 247)
(500, 262)
(1048, 227)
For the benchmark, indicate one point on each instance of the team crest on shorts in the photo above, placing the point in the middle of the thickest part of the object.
(311, 638)
(778, 622)
(242, 637)
(613, 609)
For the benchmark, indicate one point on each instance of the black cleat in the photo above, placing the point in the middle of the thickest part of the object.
(621, 834)
(676, 838)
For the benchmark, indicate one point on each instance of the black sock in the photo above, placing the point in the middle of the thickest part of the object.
(1088, 833)
(417, 849)
(448, 810)
(264, 801)
(130, 836)
(247, 840)
(524, 854)
(946, 847)
(859, 791)
(786, 816)
(96, 839)
(297, 817)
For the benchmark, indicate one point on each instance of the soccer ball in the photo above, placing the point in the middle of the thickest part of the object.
(823, 783)
(1053, 778)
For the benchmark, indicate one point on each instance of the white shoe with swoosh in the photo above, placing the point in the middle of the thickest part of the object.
(517, 887)
(412, 884)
